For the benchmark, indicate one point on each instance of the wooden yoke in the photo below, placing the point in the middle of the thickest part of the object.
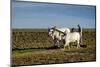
(59, 31)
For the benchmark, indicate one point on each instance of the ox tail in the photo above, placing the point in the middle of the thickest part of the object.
(80, 32)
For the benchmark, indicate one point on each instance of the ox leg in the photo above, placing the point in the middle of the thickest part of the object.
(64, 47)
(67, 44)
(78, 44)
(55, 41)
(58, 43)
(68, 47)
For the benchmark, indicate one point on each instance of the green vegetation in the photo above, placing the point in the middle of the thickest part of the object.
(33, 46)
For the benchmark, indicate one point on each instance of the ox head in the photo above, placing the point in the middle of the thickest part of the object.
(50, 31)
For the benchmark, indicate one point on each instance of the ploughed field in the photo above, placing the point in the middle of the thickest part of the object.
(34, 46)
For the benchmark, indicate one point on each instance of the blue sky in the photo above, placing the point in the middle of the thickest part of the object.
(44, 15)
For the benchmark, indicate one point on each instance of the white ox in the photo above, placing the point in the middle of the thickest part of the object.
(73, 37)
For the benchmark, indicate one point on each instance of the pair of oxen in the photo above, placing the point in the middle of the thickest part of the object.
(67, 35)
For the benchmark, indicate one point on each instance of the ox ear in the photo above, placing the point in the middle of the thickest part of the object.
(54, 27)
